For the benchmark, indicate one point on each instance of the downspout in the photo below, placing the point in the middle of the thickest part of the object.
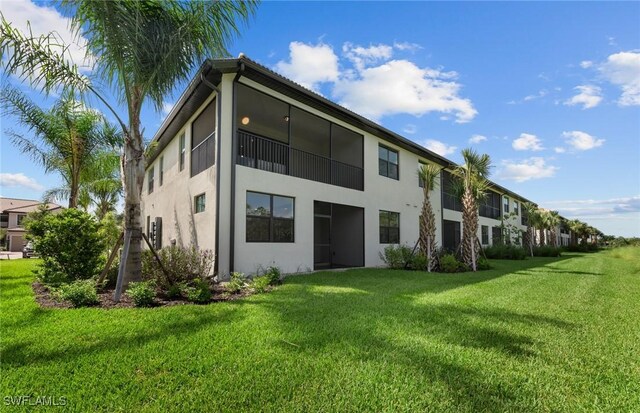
(442, 207)
(218, 136)
(234, 151)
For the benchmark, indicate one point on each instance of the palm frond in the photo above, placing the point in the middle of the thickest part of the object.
(428, 174)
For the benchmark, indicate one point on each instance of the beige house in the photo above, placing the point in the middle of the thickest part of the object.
(265, 172)
(13, 212)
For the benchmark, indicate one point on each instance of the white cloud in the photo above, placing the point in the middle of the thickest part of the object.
(45, 20)
(559, 149)
(310, 65)
(542, 93)
(406, 46)
(623, 70)
(369, 83)
(582, 141)
(532, 168)
(597, 206)
(527, 142)
(19, 179)
(438, 147)
(589, 97)
(166, 108)
(410, 128)
(399, 86)
(477, 139)
(585, 64)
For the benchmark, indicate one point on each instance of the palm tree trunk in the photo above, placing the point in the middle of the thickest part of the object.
(469, 229)
(427, 229)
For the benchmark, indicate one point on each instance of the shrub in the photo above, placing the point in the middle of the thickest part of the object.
(69, 245)
(419, 262)
(198, 293)
(142, 293)
(449, 263)
(261, 284)
(182, 265)
(505, 252)
(547, 251)
(581, 248)
(80, 293)
(237, 283)
(396, 256)
(483, 264)
(274, 275)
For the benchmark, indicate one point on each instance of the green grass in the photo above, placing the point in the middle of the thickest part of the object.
(544, 334)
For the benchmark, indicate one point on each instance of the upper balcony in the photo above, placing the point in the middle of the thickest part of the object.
(278, 137)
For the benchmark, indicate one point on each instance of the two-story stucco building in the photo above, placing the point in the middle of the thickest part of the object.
(265, 172)
(12, 212)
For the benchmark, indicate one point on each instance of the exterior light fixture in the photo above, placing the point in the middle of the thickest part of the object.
(245, 120)
(286, 118)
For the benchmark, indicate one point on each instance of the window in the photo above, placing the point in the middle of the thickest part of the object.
(199, 203)
(161, 171)
(270, 218)
(202, 140)
(20, 219)
(150, 180)
(496, 235)
(451, 235)
(490, 205)
(515, 208)
(148, 227)
(506, 205)
(387, 162)
(4, 220)
(485, 235)
(449, 198)
(183, 151)
(389, 227)
(420, 181)
(524, 220)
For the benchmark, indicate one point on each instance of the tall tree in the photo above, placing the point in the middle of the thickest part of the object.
(553, 220)
(533, 221)
(142, 48)
(428, 175)
(65, 139)
(473, 176)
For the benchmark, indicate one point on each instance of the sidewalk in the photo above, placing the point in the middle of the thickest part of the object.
(7, 255)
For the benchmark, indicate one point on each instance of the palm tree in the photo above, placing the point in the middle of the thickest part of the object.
(428, 174)
(473, 179)
(533, 221)
(553, 219)
(66, 139)
(142, 49)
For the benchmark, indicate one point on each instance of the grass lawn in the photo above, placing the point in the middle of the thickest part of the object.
(544, 334)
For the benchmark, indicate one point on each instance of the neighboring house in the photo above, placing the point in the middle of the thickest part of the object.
(265, 172)
(13, 212)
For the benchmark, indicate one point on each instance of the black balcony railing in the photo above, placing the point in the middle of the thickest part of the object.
(267, 155)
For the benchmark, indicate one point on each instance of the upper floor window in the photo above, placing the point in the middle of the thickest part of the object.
(387, 162)
(202, 139)
(161, 171)
(20, 219)
(485, 235)
(505, 208)
(150, 180)
(490, 205)
(389, 227)
(182, 152)
(515, 208)
(270, 218)
(4, 220)
(199, 203)
(261, 114)
(450, 199)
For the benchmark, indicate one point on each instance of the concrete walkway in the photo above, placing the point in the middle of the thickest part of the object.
(7, 255)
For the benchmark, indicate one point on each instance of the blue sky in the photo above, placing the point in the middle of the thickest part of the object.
(551, 91)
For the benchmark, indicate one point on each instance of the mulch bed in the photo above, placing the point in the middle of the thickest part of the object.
(45, 300)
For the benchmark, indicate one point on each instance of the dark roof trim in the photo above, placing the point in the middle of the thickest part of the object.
(213, 70)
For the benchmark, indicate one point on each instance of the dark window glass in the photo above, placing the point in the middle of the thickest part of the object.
(161, 172)
(485, 235)
(199, 203)
(389, 227)
(451, 235)
(202, 139)
(148, 227)
(346, 146)
(490, 205)
(261, 114)
(387, 162)
(182, 151)
(496, 235)
(270, 218)
(4, 220)
(449, 198)
(150, 180)
(506, 205)
(524, 220)
(20, 219)
(310, 133)
(516, 209)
